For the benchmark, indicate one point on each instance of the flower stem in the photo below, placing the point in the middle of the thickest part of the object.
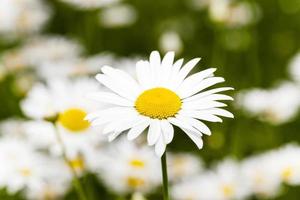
(165, 176)
(76, 182)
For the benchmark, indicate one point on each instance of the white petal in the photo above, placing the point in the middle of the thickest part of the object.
(207, 93)
(108, 97)
(113, 85)
(185, 70)
(167, 130)
(123, 79)
(199, 105)
(218, 111)
(143, 71)
(160, 146)
(154, 132)
(197, 124)
(200, 115)
(195, 138)
(183, 124)
(193, 89)
(113, 136)
(137, 130)
(195, 78)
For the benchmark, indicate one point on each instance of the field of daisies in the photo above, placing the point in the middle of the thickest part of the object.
(123, 99)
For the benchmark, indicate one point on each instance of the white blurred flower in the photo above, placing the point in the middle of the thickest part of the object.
(90, 4)
(136, 168)
(229, 183)
(39, 50)
(277, 105)
(13, 128)
(287, 164)
(183, 165)
(222, 183)
(118, 16)
(259, 174)
(66, 100)
(231, 13)
(43, 49)
(22, 17)
(170, 41)
(294, 67)
(25, 168)
(74, 67)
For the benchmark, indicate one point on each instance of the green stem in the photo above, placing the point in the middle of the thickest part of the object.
(76, 182)
(165, 176)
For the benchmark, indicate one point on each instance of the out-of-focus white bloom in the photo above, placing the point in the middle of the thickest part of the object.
(65, 100)
(118, 16)
(13, 128)
(259, 174)
(294, 67)
(222, 183)
(190, 189)
(39, 50)
(286, 164)
(278, 105)
(183, 166)
(22, 17)
(135, 167)
(229, 182)
(137, 196)
(231, 13)
(13, 60)
(90, 4)
(170, 41)
(74, 67)
(43, 49)
(25, 168)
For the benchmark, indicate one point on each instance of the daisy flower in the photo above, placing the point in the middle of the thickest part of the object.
(135, 167)
(64, 101)
(162, 96)
(25, 168)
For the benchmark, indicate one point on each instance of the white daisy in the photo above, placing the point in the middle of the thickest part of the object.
(120, 15)
(22, 17)
(258, 173)
(286, 164)
(171, 41)
(183, 165)
(64, 100)
(277, 105)
(24, 167)
(73, 66)
(162, 96)
(134, 166)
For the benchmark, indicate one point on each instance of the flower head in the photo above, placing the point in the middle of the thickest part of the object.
(162, 96)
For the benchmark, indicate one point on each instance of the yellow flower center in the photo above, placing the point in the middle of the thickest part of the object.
(287, 173)
(25, 172)
(136, 163)
(228, 190)
(77, 163)
(73, 120)
(158, 103)
(135, 182)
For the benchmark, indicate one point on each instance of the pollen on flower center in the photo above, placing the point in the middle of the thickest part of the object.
(158, 103)
(136, 163)
(73, 120)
